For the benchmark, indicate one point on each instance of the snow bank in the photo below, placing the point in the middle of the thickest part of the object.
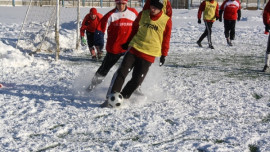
(11, 57)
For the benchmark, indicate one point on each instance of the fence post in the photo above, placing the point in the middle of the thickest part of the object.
(258, 4)
(13, 2)
(78, 27)
(57, 31)
(83, 2)
(101, 3)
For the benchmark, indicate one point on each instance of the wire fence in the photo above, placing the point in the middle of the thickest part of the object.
(176, 4)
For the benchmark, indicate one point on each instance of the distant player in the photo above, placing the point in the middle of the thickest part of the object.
(89, 25)
(232, 12)
(209, 8)
(266, 21)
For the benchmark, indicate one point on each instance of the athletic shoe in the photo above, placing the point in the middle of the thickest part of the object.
(265, 68)
(94, 57)
(199, 43)
(105, 104)
(229, 42)
(99, 54)
(211, 46)
(138, 92)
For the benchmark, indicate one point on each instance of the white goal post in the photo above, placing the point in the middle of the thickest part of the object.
(45, 26)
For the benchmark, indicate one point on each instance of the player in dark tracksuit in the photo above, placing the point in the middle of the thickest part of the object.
(210, 13)
(232, 11)
(89, 25)
(266, 21)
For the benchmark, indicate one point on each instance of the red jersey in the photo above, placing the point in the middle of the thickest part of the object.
(266, 14)
(90, 25)
(119, 27)
(230, 8)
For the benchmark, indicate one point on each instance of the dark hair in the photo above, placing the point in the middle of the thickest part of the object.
(157, 3)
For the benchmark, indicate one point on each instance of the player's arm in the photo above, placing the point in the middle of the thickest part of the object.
(84, 26)
(201, 9)
(135, 27)
(166, 38)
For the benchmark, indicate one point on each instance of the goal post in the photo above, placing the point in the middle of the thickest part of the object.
(50, 28)
(57, 51)
(78, 26)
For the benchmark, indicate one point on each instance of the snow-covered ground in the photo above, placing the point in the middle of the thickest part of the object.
(200, 100)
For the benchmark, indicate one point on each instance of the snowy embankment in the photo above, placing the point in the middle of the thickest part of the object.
(200, 100)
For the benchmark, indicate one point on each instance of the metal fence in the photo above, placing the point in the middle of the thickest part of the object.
(176, 4)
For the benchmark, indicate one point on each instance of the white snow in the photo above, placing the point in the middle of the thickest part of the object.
(200, 100)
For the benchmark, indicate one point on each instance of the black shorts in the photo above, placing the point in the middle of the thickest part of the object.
(90, 39)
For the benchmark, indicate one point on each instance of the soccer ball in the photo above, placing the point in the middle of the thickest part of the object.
(115, 100)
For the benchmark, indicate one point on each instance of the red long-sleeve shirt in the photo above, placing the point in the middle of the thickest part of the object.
(230, 8)
(266, 14)
(118, 26)
(89, 24)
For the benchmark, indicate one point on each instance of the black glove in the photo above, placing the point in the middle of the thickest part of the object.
(125, 46)
(161, 60)
(199, 21)
(266, 28)
(220, 15)
(220, 19)
(238, 18)
(239, 15)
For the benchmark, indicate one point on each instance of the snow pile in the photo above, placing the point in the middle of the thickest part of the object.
(11, 57)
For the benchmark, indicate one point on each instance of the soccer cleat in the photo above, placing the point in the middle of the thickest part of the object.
(139, 92)
(90, 87)
(105, 104)
(211, 46)
(265, 68)
(199, 44)
(229, 42)
(99, 54)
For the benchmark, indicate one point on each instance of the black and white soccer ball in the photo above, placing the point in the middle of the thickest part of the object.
(115, 100)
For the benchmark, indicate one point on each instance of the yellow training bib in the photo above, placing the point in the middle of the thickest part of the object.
(210, 11)
(149, 37)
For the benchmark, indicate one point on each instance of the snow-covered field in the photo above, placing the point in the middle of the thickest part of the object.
(201, 100)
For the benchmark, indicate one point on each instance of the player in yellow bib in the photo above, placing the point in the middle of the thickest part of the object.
(209, 8)
(150, 38)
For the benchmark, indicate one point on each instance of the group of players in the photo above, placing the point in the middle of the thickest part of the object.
(141, 37)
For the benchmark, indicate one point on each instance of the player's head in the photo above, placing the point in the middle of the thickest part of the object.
(93, 13)
(121, 5)
(156, 6)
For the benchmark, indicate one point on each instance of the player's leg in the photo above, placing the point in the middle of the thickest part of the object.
(209, 33)
(90, 42)
(119, 77)
(140, 70)
(205, 33)
(267, 56)
(108, 62)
